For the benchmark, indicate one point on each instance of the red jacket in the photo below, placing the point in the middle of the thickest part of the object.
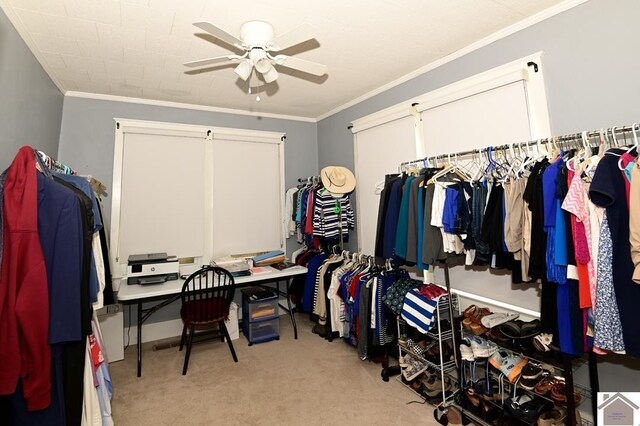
(24, 295)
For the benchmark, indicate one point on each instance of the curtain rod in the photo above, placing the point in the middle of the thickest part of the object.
(569, 137)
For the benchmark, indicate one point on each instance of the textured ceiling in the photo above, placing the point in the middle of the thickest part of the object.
(136, 48)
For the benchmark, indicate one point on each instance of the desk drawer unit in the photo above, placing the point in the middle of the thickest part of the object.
(263, 331)
(262, 309)
(260, 321)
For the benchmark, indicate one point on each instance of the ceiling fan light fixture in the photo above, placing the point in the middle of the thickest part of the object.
(271, 75)
(244, 69)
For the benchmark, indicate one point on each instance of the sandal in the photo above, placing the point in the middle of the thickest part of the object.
(470, 311)
(559, 394)
(545, 385)
(478, 329)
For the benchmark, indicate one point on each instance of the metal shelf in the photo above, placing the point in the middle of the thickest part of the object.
(446, 366)
(577, 361)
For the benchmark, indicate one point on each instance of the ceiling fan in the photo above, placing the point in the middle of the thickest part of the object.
(258, 40)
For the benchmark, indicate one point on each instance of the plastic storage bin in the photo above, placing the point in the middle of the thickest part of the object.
(263, 331)
(262, 309)
(260, 322)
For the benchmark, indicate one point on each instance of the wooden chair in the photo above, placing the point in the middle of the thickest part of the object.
(206, 297)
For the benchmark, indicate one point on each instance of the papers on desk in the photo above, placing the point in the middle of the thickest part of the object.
(260, 270)
(237, 268)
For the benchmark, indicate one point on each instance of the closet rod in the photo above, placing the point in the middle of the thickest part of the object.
(569, 137)
(308, 179)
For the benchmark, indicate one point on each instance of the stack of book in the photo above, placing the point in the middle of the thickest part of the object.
(237, 267)
(270, 258)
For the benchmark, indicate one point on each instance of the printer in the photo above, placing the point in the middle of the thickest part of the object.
(152, 268)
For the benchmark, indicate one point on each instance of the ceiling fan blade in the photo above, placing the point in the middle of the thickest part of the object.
(219, 33)
(301, 65)
(212, 61)
(296, 36)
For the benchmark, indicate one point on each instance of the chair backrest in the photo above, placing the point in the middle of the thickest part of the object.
(208, 293)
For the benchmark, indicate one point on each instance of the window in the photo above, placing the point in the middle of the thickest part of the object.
(378, 150)
(501, 106)
(195, 191)
(247, 194)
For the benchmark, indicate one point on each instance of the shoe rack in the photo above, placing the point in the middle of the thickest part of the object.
(437, 337)
(564, 363)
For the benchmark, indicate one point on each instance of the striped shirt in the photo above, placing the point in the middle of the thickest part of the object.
(326, 221)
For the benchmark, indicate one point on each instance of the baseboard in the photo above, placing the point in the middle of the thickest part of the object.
(153, 331)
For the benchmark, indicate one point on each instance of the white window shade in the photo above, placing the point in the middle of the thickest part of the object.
(247, 187)
(378, 151)
(162, 207)
(494, 117)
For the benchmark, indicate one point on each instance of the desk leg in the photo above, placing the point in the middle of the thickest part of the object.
(293, 319)
(139, 339)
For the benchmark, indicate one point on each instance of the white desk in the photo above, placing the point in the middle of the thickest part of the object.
(170, 291)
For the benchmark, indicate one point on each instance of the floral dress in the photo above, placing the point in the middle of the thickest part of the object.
(608, 328)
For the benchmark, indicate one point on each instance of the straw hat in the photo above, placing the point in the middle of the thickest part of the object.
(338, 180)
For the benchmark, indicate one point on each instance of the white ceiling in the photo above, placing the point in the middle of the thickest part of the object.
(136, 48)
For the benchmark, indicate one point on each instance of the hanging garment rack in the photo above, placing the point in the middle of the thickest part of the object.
(310, 179)
(593, 137)
(54, 164)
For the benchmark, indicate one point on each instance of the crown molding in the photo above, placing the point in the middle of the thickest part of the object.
(505, 32)
(169, 104)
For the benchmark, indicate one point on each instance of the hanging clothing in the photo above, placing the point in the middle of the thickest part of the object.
(608, 190)
(25, 354)
(331, 215)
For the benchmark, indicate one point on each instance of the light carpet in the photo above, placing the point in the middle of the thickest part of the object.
(307, 381)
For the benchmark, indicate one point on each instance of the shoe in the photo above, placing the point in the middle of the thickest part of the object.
(432, 385)
(402, 340)
(490, 412)
(543, 342)
(478, 329)
(417, 348)
(433, 353)
(482, 348)
(559, 393)
(555, 417)
(496, 335)
(531, 411)
(545, 385)
(519, 329)
(494, 320)
(440, 414)
(508, 363)
(454, 416)
(466, 352)
(320, 330)
(414, 367)
(530, 329)
(530, 375)
(512, 405)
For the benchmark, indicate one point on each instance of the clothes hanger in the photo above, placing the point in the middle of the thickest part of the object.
(632, 148)
(615, 143)
(603, 146)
